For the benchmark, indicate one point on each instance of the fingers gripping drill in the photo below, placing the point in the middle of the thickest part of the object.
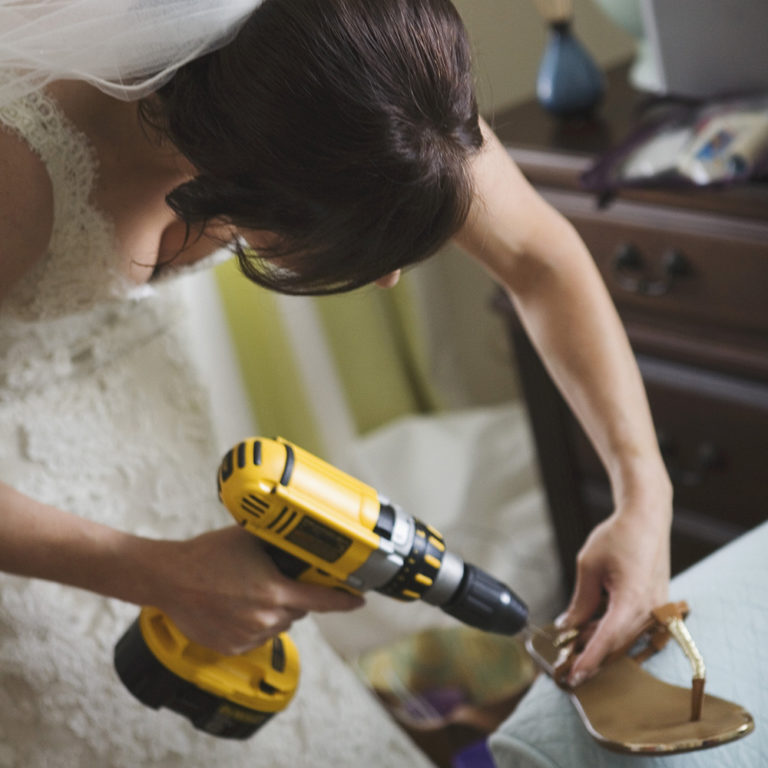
(319, 525)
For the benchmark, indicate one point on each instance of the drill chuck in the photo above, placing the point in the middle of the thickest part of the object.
(474, 597)
(425, 569)
(484, 602)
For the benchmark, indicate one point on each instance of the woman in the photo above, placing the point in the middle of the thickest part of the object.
(332, 143)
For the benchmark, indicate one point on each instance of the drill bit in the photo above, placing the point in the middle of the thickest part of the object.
(534, 629)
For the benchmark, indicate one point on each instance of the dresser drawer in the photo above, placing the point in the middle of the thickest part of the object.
(711, 271)
(713, 431)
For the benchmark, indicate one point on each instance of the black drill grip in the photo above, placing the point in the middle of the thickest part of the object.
(289, 565)
(484, 602)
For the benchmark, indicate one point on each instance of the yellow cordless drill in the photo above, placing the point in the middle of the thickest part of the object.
(319, 525)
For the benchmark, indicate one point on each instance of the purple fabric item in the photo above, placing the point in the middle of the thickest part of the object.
(476, 755)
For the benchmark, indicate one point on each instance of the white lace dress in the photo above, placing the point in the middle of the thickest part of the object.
(101, 414)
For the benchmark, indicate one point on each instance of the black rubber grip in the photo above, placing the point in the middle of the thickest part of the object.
(484, 602)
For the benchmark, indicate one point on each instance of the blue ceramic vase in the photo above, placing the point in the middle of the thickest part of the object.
(569, 84)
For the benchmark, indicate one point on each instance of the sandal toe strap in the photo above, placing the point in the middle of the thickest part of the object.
(670, 617)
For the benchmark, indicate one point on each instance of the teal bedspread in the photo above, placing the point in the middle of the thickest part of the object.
(728, 597)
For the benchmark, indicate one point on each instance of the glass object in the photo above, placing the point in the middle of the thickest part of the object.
(569, 83)
(628, 14)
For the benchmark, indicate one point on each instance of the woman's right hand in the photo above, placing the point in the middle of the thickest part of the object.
(221, 588)
(223, 591)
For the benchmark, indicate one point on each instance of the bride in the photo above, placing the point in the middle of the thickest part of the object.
(328, 144)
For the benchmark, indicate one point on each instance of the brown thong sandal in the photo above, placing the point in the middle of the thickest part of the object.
(626, 709)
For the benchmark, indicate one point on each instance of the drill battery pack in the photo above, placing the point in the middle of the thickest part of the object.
(225, 696)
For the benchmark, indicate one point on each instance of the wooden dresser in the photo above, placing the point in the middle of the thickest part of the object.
(688, 271)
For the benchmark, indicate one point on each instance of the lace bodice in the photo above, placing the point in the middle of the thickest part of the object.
(78, 271)
(73, 309)
(102, 414)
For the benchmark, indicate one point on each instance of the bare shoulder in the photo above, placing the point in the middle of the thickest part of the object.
(26, 209)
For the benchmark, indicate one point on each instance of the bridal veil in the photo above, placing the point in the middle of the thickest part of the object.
(126, 48)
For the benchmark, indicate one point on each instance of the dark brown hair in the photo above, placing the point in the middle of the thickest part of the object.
(343, 127)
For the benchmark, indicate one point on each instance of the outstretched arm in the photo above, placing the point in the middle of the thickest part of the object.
(566, 310)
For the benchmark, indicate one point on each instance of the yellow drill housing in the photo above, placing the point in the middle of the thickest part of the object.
(302, 505)
(320, 525)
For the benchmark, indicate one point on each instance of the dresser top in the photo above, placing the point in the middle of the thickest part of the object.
(556, 153)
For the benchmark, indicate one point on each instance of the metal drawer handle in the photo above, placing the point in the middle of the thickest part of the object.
(708, 457)
(628, 267)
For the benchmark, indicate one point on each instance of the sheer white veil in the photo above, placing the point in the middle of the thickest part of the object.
(126, 48)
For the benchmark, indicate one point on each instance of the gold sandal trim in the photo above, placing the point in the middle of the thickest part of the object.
(670, 617)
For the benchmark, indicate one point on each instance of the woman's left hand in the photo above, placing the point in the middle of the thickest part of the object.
(626, 557)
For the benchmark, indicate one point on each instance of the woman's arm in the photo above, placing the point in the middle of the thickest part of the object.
(566, 310)
(220, 588)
